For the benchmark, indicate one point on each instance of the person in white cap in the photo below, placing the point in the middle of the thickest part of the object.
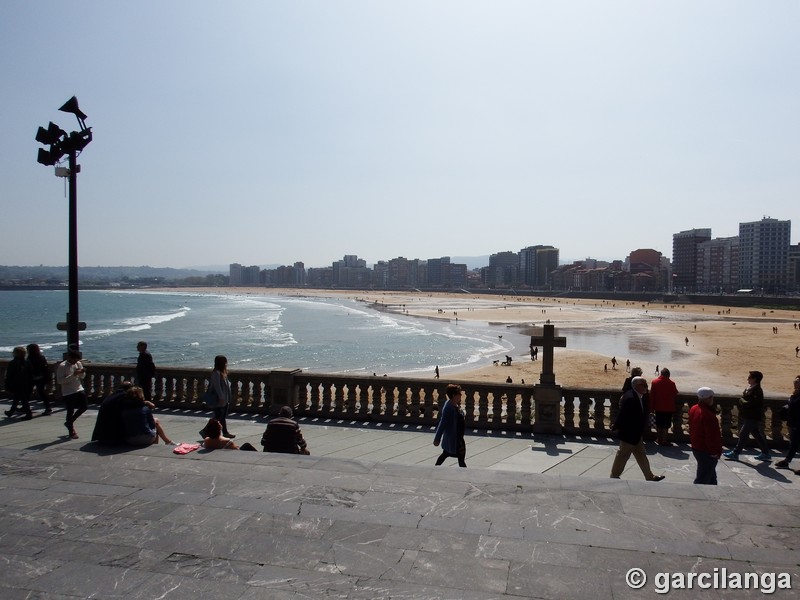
(705, 436)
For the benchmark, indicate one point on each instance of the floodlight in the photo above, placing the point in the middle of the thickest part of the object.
(78, 140)
(46, 157)
(51, 135)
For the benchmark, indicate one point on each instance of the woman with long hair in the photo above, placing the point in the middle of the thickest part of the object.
(222, 388)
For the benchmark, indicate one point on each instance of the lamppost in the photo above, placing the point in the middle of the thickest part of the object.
(70, 144)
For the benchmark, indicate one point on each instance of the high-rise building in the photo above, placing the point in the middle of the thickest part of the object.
(718, 266)
(546, 263)
(764, 255)
(536, 263)
(684, 258)
(235, 274)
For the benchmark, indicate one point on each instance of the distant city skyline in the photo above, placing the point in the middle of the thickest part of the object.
(270, 131)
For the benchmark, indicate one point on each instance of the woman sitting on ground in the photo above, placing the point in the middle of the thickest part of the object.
(214, 440)
(140, 426)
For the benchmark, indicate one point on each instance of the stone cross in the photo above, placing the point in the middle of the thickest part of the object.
(548, 341)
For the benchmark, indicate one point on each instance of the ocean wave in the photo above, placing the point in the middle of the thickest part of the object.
(145, 322)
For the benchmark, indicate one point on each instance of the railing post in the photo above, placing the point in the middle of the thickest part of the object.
(282, 389)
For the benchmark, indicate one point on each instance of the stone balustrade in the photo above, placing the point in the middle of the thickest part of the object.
(584, 413)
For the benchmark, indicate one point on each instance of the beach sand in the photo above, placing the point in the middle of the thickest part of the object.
(724, 343)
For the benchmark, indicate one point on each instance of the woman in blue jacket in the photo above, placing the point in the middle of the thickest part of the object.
(450, 430)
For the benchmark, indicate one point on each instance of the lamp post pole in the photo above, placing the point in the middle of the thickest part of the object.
(72, 315)
(60, 144)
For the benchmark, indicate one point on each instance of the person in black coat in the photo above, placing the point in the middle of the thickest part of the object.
(793, 422)
(145, 370)
(40, 373)
(19, 382)
(629, 425)
(283, 434)
(109, 428)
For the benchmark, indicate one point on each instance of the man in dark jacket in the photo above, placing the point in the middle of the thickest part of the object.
(793, 422)
(145, 370)
(751, 409)
(283, 434)
(109, 428)
(19, 381)
(629, 425)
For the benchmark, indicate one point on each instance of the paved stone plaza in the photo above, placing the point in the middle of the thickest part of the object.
(368, 516)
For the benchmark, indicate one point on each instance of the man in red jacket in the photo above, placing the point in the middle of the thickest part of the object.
(663, 393)
(705, 435)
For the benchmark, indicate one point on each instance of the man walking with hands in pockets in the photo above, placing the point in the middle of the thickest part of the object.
(629, 425)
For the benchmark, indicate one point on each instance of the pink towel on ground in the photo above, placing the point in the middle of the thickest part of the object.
(185, 448)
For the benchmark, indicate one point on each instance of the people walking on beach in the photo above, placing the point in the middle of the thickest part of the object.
(140, 427)
(613, 363)
(628, 366)
(629, 426)
(69, 375)
(793, 423)
(145, 370)
(450, 430)
(39, 371)
(663, 393)
(436, 372)
(705, 437)
(751, 407)
(222, 388)
(18, 383)
(283, 434)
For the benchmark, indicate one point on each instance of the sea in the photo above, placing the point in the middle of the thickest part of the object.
(260, 332)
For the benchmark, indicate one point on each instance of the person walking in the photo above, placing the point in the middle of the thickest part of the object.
(663, 393)
(450, 430)
(222, 388)
(793, 422)
(18, 383)
(629, 426)
(145, 370)
(751, 408)
(69, 375)
(39, 371)
(705, 437)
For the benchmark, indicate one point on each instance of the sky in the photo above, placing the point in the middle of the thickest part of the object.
(269, 132)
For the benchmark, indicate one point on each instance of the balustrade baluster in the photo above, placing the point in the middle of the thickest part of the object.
(402, 402)
(585, 402)
(389, 401)
(511, 419)
(498, 400)
(414, 409)
(569, 410)
(315, 401)
(602, 424)
(469, 405)
(349, 405)
(363, 398)
(327, 398)
(526, 410)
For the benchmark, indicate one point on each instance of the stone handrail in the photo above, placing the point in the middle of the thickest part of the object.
(585, 413)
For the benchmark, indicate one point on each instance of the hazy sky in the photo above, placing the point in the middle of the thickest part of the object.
(272, 132)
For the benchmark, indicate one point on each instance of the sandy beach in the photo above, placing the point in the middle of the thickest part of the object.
(724, 343)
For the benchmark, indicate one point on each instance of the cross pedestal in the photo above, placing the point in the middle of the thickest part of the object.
(547, 395)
